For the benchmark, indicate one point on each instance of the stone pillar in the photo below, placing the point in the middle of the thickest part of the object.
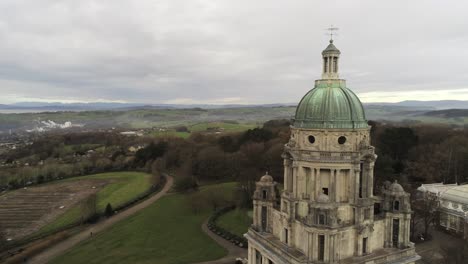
(356, 186)
(365, 176)
(371, 180)
(359, 245)
(318, 191)
(332, 248)
(295, 178)
(314, 246)
(313, 179)
(337, 186)
(310, 243)
(332, 186)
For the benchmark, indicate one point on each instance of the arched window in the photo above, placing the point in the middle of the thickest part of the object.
(325, 65)
(396, 205)
(335, 64)
(264, 194)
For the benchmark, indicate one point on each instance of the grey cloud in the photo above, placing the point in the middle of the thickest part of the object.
(256, 51)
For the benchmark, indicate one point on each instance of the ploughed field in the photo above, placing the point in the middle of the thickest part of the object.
(49, 207)
(25, 211)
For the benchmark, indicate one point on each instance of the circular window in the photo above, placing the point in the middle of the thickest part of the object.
(341, 140)
(311, 139)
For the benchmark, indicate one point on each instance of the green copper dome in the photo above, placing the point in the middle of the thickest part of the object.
(330, 105)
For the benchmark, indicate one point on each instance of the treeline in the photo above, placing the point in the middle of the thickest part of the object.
(242, 157)
(411, 155)
(420, 154)
(58, 156)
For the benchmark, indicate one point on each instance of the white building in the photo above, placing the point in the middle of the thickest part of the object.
(326, 212)
(453, 205)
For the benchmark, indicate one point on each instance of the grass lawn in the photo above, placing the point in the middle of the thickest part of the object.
(236, 221)
(124, 187)
(166, 232)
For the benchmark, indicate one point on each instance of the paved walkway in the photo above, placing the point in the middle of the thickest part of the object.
(233, 250)
(430, 251)
(56, 250)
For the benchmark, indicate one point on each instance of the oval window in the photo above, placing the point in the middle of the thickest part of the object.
(311, 139)
(341, 140)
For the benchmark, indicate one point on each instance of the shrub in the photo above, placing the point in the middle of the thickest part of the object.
(109, 211)
(185, 184)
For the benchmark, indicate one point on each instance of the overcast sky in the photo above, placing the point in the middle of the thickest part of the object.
(217, 52)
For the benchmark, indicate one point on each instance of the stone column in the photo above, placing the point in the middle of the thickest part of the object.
(313, 180)
(365, 176)
(314, 246)
(295, 179)
(331, 193)
(337, 186)
(356, 186)
(318, 191)
(371, 180)
(332, 248)
(359, 245)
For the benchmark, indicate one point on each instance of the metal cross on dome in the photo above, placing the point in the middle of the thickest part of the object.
(332, 29)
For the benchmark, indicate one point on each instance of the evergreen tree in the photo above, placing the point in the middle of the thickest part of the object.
(109, 211)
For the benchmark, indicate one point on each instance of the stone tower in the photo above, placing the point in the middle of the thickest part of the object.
(325, 213)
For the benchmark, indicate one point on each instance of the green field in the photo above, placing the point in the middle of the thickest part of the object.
(226, 126)
(167, 232)
(236, 221)
(124, 186)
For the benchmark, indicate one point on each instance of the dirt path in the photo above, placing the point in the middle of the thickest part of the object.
(233, 250)
(54, 251)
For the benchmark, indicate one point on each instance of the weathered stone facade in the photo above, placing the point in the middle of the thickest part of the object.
(325, 214)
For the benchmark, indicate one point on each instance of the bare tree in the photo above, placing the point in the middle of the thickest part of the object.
(425, 208)
(157, 168)
(89, 208)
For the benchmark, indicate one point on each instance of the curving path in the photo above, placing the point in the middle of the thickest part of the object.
(56, 250)
(233, 250)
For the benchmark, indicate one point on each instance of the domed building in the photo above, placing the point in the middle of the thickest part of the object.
(327, 211)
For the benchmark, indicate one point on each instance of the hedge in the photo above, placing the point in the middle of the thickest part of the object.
(235, 239)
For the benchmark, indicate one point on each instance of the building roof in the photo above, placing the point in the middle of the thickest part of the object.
(450, 192)
(266, 178)
(331, 48)
(330, 105)
(457, 194)
(396, 187)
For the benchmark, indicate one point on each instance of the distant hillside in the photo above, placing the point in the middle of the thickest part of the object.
(94, 106)
(147, 116)
(449, 113)
(436, 105)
